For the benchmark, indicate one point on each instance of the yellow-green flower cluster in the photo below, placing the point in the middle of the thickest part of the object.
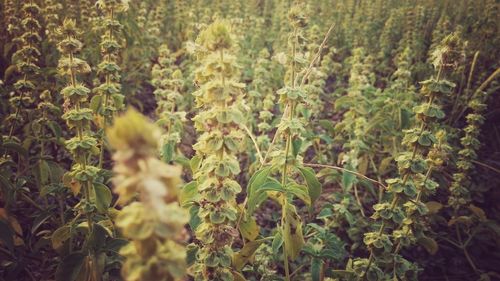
(26, 61)
(169, 83)
(77, 115)
(109, 92)
(51, 11)
(154, 223)
(221, 139)
(404, 206)
(13, 20)
(263, 96)
(460, 194)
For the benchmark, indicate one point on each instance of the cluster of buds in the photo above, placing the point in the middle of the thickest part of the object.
(219, 96)
(78, 117)
(26, 60)
(109, 98)
(51, 12)
(169, 84)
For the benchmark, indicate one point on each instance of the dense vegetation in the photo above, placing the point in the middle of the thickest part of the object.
(250, 140)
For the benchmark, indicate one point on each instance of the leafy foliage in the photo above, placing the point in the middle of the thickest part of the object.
(284, 140)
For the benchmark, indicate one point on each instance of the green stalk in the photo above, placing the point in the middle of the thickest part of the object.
(18, 109)
(291, 106)
(283, 207)
(405, 179)
(82, 159)
(106, 99)
(417, 200)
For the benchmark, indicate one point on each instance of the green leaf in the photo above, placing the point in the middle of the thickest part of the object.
(238, 276)
(405, 118)
(296, 144)
(44, 170)
(194, 163)
(343, 273)
(434, 207)
(301, 192)
(56, 129)
(194, 219)
(249, 228)
(327, 125)
(317, 269)
(429, 244)
(348, 180)
(97, 238)
(60, 236)
(277, 242)
(168, 151)
(191, 252)
(16, 147)
(40, 219)
(314, 186)
(292, 232)
(259, 194)
(72, 267)
(56, 172)
(96, 103)
(480, 214)
(243, 256)
(344, 102)
(102, 197)
(384, 165)
(258, 179)
(188, 194)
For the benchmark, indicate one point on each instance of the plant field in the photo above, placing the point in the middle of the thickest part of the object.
(259, 140)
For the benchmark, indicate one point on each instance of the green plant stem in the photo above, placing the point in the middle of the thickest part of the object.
(358, 200)
(467, 88)
(492, 77)
(249, 133)
(345, 170)
(18, 109)
(82, 159)
(463, 247)
(496, 170)
(291, 108)
(283, 208)
(405, 179)
(106, 100)
(417, 200)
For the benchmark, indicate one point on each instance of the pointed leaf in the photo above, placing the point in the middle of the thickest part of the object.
(102, 197)
(188, 194)
(313, 185)
(243, 256)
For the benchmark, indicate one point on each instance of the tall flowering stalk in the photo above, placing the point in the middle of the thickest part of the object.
(109, 97)
(78, 117)
(154, 223)
(285, 160)
(26, 59)
(169, 83)
(219, 98)
(404, 206)
(264, 96)
(51, 11)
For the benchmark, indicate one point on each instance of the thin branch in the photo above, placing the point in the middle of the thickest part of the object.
(254, 143)
(492, 77)
(316, 56)
(486, 166)
(345, 170)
